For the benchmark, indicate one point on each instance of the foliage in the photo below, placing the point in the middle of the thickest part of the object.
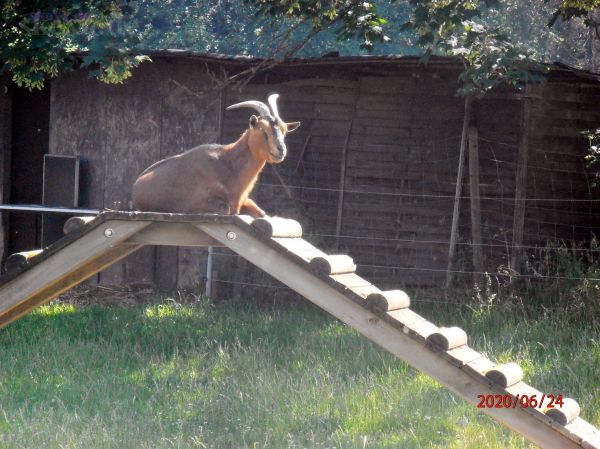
(239, 27)
(492, 59)
(497, 40)
(558, 277)
(565, 278)
(204, 26)
(352, 18)
(455, 28)
(593, 156)
(569, 9)
(39, 38)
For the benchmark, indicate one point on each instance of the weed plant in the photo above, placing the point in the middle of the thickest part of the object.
(559, 277)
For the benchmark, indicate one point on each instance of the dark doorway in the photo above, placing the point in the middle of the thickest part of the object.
(30, 135)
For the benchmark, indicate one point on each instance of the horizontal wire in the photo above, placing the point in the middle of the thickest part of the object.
(442, 242)
(506, 144)
(416, 299)
(427, 242)
(450, 196)
(224, 281)
(548, 169)
(430, 195)
(516, 275)
(455, 271)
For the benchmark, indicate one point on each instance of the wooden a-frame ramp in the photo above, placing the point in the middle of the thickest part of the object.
(275, 245)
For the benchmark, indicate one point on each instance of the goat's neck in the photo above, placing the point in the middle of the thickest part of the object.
(245, 166)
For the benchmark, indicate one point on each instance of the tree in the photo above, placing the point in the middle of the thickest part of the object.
(38, 39)
(479, 31)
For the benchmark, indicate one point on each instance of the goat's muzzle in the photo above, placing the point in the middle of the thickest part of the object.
(278, 156)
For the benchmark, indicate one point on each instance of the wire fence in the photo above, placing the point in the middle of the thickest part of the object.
(393, 216)
(511, 275)
(432, 195)
(419, 298)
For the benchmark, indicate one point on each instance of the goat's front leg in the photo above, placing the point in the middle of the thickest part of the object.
(253, 210)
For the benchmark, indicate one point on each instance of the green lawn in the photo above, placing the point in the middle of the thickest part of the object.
(238, 376)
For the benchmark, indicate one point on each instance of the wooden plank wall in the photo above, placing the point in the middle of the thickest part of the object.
(306, 184)
(190, 117)
(497, 119)
(401, 165)
(557, 169)
(118, 131)
(399, 129)
(400, 174)
(77, 128)
(401, 160)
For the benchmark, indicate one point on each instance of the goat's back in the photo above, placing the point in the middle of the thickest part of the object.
(184, 183)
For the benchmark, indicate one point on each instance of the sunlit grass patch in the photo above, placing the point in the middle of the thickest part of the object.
(55, 309)
(231, 376)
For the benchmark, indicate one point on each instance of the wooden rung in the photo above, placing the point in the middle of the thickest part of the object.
(75, 223)
(336, 264)
(350, 280)
(480, 366)
(420, 331)
(521, 389)
(364, 291)
(406, 316)
(461, 355)
(18, 261)
(565, 414)
(245, 218)
(448, 338)
(505, 375)
(524, 389)
(388, 300)
(278, 227)
(586, 432)
(299, 247)
(308, 256)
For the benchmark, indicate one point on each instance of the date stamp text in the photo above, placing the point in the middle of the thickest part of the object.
(538, 401)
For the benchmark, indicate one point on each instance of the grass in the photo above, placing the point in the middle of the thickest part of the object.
(243, 376)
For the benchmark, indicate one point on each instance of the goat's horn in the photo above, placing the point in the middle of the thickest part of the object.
(273, 103)
(259, 106)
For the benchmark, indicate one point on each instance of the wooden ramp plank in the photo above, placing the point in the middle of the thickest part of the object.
(588, 434)
(172, 234)
(77, 261)
(287, 257)
(447, 369)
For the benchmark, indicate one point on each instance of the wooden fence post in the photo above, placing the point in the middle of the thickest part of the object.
(521, 182)
(343, 163)
(475, 203)
(458, 192)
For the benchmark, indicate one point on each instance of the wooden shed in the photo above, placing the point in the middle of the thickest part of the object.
(372, 171)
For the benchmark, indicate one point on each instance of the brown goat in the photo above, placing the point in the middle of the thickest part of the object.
(216, 178)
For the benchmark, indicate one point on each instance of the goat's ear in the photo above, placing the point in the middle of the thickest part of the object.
(253, 121)
(292, 126)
